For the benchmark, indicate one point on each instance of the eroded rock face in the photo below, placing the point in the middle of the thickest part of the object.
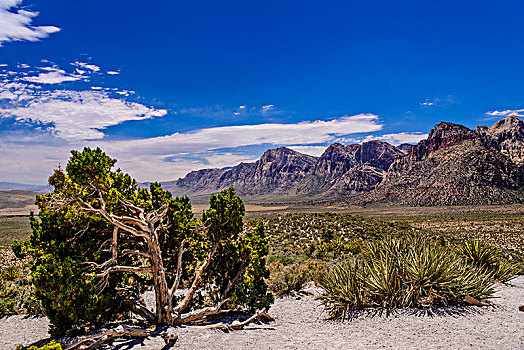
(345, 170)
(507, 136)
(458, 166)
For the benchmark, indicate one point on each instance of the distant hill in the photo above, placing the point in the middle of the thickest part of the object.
(12, 186)
(453, 166)
(16, 199)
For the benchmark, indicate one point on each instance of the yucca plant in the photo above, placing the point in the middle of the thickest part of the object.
(428, 276)
(344, 287)
(476, 283)
(479, 254)
(408, 271)
(486, 257)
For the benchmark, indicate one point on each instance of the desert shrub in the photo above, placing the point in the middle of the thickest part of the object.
(10, 273)
(287, 279)
(17, 293)
(403, 271)
(344, 288)
(291, 278)
(322, 236)
(486, 257)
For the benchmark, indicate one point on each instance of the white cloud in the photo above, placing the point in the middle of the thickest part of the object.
(302, 133)
(54, 76)
(91, 67)
(15, 24)
(111, 72)
(311, 150)
(145, 158)
(399, 138)
(507, 112)
(76, 115)
(7, 95)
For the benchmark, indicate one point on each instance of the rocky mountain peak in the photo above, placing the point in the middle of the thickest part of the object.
(508, 123)
(444, 135)
(507, 136)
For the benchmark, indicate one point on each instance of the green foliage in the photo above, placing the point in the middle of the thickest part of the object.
(237, 251)
(488, 258)
(61, 280)
(322, 236)
(52, 345)
(403, 271)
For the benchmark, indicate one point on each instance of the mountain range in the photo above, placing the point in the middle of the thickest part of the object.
(453, 166)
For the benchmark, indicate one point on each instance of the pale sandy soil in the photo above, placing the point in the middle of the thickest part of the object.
(300, 324)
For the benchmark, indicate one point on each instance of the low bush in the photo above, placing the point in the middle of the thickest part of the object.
(291, 278)
(407, 271)
(17, 293)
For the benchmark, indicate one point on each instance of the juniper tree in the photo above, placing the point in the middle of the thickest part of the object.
(100, 240)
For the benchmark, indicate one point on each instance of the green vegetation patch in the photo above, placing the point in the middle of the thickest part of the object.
(13, 228)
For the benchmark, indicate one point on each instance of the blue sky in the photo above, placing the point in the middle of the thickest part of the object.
(172, 86)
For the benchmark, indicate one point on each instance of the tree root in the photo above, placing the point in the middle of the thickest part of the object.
(235, 326)
(94, 341)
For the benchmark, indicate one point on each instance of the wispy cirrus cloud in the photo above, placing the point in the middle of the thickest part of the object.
(399, 138)
(439, 101)
(505, 113)
(15, 24)
(308, 132)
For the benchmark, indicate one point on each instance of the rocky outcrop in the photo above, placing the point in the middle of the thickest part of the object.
(458, 166)
(346, 170)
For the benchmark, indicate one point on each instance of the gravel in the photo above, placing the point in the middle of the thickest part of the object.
(300, 324)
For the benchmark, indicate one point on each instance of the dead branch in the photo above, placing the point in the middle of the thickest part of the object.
(117, 268)
(131, 206)
(100, 338)
(111, 218)
(195, 315)
(143, 311)
(196, 282)
(135, 252)
(226, 327)
(178, 277)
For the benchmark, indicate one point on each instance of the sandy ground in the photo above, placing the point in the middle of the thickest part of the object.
(300, 324)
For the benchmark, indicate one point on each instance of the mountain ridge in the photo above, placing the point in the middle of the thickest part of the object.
(455, 165)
